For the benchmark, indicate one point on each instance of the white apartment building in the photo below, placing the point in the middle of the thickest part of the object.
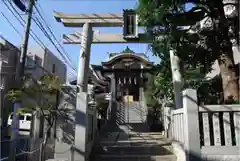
(39, 62)
(42, 61)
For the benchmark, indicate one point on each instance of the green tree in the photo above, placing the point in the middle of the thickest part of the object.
(40, 96)
(150, 90)
(163, 80)
(171, 26)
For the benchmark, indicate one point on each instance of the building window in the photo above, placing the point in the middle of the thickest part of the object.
(53, 68)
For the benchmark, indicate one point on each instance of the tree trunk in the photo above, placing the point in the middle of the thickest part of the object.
(223, 46)
(43, 145)
(229, 78)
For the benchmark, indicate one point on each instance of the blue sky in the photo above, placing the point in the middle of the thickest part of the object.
(98, 52)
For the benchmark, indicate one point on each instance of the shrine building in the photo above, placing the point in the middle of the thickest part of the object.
(126, 72)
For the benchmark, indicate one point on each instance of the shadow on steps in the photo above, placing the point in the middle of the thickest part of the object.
(120, 146)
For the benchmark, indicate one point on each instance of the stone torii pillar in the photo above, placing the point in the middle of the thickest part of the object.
(82, 101)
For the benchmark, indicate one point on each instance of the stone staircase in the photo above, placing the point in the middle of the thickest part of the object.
(130, 113)
(129, 139)
(132, 146)
(136, 113)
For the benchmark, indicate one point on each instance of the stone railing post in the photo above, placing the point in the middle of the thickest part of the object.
(167, 121)
(191, 123)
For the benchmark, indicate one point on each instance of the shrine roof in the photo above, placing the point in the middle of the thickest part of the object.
(127, 53)
(93, 78)
(103, 69)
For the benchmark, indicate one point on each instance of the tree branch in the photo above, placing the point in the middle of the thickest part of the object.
(232, 4)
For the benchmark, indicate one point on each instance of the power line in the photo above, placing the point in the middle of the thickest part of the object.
(36, 38)
(49, 28)
(41, 27)
(18, 18)
(37, 65)
(33, 35)
(57, 40)
(50, 39)
(11, 25)
(42, 68)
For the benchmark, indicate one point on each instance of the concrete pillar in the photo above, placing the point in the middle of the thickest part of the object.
(176, 78)
(1, 85)
(34, 140)
(167, 120)
(79, 149)
(191, 125)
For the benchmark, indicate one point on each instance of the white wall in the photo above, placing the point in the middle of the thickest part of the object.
(60, 67)
(48, 59)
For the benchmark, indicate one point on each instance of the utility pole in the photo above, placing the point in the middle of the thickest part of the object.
(1, 87)
(19, 76)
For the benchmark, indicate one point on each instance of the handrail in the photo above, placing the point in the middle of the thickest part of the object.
(9, 140)
(22, 153)
(19, 154)
(109, 108)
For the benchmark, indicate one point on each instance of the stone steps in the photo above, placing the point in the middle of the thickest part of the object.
(133, 147)
(133, 113)
(130, 143)
(134, 158)
(152, 150)
(128, 139)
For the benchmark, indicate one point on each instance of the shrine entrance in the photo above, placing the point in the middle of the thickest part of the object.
(128, 85)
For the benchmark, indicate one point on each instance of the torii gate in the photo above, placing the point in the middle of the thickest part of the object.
(86, 38)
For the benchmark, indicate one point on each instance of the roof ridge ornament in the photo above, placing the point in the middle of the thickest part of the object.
(128, 50)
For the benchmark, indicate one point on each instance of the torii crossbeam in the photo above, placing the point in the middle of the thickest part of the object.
(96, 20)
(99, 38)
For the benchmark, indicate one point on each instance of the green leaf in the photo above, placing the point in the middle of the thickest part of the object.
(23, 110)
